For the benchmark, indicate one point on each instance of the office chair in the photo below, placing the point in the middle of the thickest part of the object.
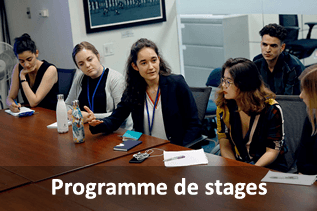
(301, 48)
(65, 79)
(294, 114)
(201, 96)
(212, 81)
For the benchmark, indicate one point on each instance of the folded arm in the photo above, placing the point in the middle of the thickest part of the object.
(49, 79)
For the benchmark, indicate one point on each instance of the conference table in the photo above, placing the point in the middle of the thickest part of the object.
(30, 149)
(32, 156)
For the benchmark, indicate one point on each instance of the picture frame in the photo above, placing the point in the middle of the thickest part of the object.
(102, 15)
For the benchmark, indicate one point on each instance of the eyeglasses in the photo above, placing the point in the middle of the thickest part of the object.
(226, 82)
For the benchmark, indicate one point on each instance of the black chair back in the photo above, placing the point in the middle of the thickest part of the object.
(301, 48)
(65, 79)
(288, 20)
(201, 96)
(294, 114)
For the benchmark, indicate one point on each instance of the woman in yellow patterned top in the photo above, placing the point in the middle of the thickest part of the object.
(249, 120)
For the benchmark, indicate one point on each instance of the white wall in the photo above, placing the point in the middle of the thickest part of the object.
(52, 35)
(163, 34)
(308, 7)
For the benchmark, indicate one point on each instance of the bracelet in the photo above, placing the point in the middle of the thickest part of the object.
(22, 81)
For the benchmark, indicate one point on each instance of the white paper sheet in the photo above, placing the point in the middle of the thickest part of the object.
(192, 157)
(288, 178)
(21, 112)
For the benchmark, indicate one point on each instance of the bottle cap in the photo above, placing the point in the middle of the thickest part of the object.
(75, 103)
(60, 97)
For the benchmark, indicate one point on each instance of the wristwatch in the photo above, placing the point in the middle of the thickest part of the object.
(22, 81)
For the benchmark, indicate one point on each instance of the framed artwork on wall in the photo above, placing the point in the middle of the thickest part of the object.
(102, 15)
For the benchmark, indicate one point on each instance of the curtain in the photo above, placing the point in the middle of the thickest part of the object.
(4, 23)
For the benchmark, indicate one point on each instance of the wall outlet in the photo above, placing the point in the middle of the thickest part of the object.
(43, 13)
(108, 49)
(28, 12)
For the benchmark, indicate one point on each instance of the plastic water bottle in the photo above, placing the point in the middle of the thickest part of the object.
(77, 123)
(61, 115)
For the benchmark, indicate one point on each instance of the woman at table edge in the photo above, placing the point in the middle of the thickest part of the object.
(37, 79)
(307, 154)
(161, 103)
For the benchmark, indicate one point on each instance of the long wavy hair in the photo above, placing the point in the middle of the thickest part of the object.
(135, 83)
(309, 86)
(252, 93)
(24, 43)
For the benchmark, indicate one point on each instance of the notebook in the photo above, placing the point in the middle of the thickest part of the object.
(127, 145)
(184, 158)
(295, 179)
(134, 135)
(24, 111)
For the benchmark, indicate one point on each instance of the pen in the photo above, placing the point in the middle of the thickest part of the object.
(174, 158)
(16, 103)
(287, 177)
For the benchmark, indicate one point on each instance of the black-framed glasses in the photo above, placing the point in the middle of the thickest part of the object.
(226, 82)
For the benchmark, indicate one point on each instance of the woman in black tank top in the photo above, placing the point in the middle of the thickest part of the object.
(37, 79)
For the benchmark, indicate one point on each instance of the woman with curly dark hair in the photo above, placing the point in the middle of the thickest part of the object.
(249, 120)
(161, 103)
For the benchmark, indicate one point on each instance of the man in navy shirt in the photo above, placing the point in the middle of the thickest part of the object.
(279, 70)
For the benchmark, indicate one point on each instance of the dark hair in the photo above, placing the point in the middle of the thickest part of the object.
(252, 92)
(136, 84)
(83, 45)
(274, 30)
(24, 43)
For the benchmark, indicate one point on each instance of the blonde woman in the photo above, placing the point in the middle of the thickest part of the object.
(307, 156)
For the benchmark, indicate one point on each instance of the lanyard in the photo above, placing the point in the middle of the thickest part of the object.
(91, 103)
(147, 110)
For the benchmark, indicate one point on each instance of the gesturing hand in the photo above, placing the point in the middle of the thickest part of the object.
(91, 119)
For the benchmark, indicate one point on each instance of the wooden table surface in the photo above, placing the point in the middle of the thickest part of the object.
(22, 154)
(30, 149)
(10, 180)
(278, 196)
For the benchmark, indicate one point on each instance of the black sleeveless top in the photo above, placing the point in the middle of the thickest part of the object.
(100, 98)
(50, 100)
